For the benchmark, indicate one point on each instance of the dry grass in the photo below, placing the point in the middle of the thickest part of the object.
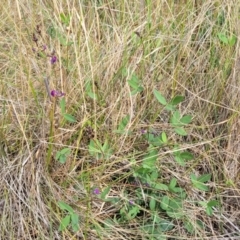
(172, 46)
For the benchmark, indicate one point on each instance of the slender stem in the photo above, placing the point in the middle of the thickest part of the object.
(51, 135)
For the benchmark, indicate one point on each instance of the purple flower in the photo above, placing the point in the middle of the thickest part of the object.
(131, 202)
(44, 47)
(96, 191)
(55, 93)
(143, 131)
(53, 59)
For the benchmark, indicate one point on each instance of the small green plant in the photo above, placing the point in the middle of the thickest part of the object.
(150, 158)
(62, 155)
(104, 196)
(128, 212)
(135, 84)
(65, 19)
(156, 140)
(190, 227)
(65, 115)
(123, 124)
(199, 182)
(230, 41)
(208, 206)
(89, 90)
(182, 156)
(177, 121)
(56, 33)
(98, 150)
(71, 218)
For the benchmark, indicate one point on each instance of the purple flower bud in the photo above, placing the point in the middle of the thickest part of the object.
(143, 131)
(55, 93)
(96, 191)
(44, 47)
(53, 59)
(131, 202)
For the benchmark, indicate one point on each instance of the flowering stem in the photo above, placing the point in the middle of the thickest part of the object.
(47, 87)
(51, 134)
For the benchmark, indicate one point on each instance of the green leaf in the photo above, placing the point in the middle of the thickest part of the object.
(88, 86)
(51, 31)
(69, 117)
(64, 223)
(165, 202)
(104, 193)
(58, 155)
(160, 97)
(106, 150)
(170, 107)
(186, 155)
(164, 137)
(175, 204)
(152, 204)
(150, 159)
(179, 160)
(122, 125)
(42, 54)
(155, 141)
(63, 40)
(161, 186)
(65, 151)
(223, 38)
(92, 95)
(176, 100)
(64, 206)
(199, 185)
(186, 119)
(112, 200)
(154, 176)
(105, 146)
(75, 222)
(165, 225)
(133, 83)
(178, 190)
(94, 148)
(175, 214)
(181, 131)
(193, 177)
(188, 225)
(62, 103)
(62, 159)
(232, 40)
(200, 224)
(175, 119)
(204, 178)
(209, 211)
(62, 16)
(124, 72)
(133, 212)
(139, 89)
(213, 203)
(173, 183)
(65, 18)
(203, 204)
(89, 91)
(134, 92)
(149, 136)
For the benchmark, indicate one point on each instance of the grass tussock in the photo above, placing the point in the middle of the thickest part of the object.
(119, 120)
